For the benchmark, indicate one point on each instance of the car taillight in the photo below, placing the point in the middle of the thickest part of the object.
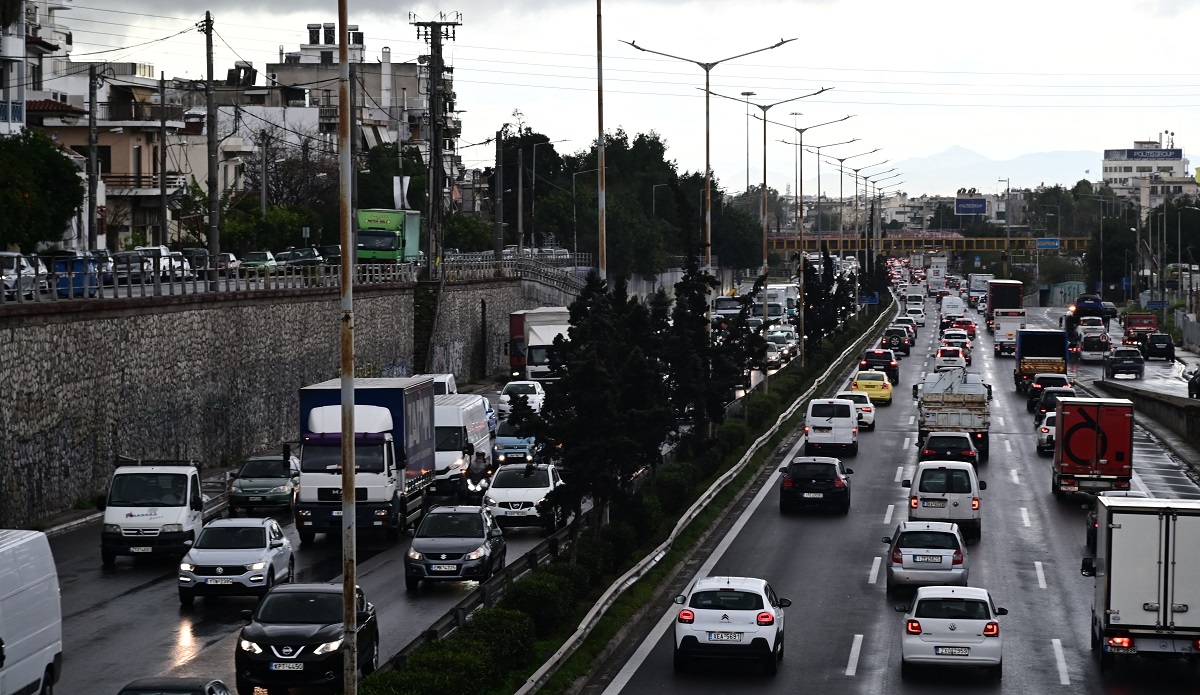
(787, 480)
(974, 503)
(1121, 484)
(1045, 430)
(1120, 641)
(806, 429)
(863, 363)
(992, 629)
(894, 363)
(839, 483)
(853, 384)
(854, 430)
(886, 386)
(687, 616)
(765, 619)
(866, 409)
(958, 558)
(912, 501)
(897, 556)
(1096, 524)
(912, 627)
(928, 452)
(968, 453)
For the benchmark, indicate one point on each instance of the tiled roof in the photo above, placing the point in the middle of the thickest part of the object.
(50, 106)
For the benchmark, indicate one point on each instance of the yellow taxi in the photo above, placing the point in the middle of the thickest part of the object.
(875, 385)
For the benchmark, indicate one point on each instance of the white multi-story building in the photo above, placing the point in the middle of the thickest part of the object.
(1149, 173)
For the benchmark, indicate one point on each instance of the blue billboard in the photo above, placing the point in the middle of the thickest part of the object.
(970, 206)
(1047, 243)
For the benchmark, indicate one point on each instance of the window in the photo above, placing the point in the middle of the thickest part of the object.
(1177, 189)
(953, 609)
(1154, 190)
(326, 57)
(449, 438)
(1127, 169)
(829, 410)
(815, 471)
(1144, 169)
(943, 480)
(231, 538)
(521, 477)
(1166, 169)
(927, 539)
(727, 600)
(942, 441)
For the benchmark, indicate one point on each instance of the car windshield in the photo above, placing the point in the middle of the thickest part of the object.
(265, 468)
(829, 410)
(941, 441)
(256, 256)
(1127, 352)
(376, 241)
(817, 471)
(521, 478)
(148, 490)
(934, 540)
(727, 600)
(943, 480)
(1095, 342)
(952, 609)
(520, 390)
(451, 525)
(507, 429)
(300, 608)
(327, 457)
(727, 304)
(448, 438)
(232, 538)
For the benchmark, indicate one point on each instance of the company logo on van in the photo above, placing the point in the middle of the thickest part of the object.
(151, 514)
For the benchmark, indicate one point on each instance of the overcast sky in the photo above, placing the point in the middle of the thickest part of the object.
(1001, 79)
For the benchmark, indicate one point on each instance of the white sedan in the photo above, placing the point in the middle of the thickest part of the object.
(917, 314)
(952, 626)
(862, 404)
(531, 390)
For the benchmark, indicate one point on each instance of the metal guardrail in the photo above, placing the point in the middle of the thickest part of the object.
(639, 570)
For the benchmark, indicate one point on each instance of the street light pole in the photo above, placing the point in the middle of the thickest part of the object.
(1007, 225)
(533, 191)
(707, 68)
(574, 218)
(818, 149)
(654, 198)
(747, 96)
(842, 195)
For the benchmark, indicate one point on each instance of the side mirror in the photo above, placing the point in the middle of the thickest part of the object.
(274, 544)
(1001, 611)
(295, 474)
(188, 542)
(101, 502)
(247, 615)
(497, 533)
(362, 616)
(233, 476)
(906, 483)
(783, 469)
(785, 602)
(469, 449)
(901, 608)
(1088, 567)
(680, 599)
(982, 484)
(849, 471)
(197, 503)
(887, 539)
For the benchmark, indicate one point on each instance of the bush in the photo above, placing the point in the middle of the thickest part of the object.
(764, 408)
(578, 577)
(543, 597)
(673, 486)
(447, 667)
(624, 539)
(507, 635)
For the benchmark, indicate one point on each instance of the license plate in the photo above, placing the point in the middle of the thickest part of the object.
(823, 429)
(1121, 650)
(813, 495)
(288, 666)
(1095, 483)
(141, 549)
(256, 499)
(220, 580)
(336, 512)
(927, 558)
(952, 651)
(444, 568)
(1162, 345)
(724, 637)
(933, 503)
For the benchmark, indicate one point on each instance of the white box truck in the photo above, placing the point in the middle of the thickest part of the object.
(30, 614)
(1147, 579)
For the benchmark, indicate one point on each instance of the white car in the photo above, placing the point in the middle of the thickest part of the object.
(236, 557)
(730, 618)
(916, 313)
(1045, 434)
(532, 390)
(960, 343)
(862, 404)
(948, 358)
(953, 626)
(517, 495)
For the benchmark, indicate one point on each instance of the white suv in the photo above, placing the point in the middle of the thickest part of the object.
(952, 626)
(243, 557)
(730, 618)
(517, 495)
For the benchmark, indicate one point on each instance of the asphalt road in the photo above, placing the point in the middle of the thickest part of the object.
(843, 633)
(125, 622)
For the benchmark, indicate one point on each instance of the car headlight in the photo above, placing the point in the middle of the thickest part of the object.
(256, 566)
(490, 502)
(248, 646)
(501, 457)
(235, 485)
(476, 553)
(414, 555)
(187, 567)
(112, 528)
(328, 647)
(172, 528)
(278, 488)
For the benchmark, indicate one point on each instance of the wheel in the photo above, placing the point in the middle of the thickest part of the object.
(233, 511)
(1029, 407)
(270, 583)
(1095, 641)
(770, 664)
(186, 598)
(108, 558)
(369, 663)
(889, 589)
(47, 682)
(906, 670)
(871, 427)
(307, 537)
(783, 507)
(393, 532)
(244, 688)
(996, 672)
(1055, 489)
(412, 583)
(680, 662)
(291, 573)
(808, 450)
(854, 449)
(1107, 661)
(846, 509)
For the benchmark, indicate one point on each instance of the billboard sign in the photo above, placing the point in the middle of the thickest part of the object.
(1144, 154)
(1047, 243)
(970, 206)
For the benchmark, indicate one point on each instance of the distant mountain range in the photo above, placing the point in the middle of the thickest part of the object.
(957, 167)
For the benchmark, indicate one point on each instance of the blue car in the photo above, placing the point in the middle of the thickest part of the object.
(509, 448)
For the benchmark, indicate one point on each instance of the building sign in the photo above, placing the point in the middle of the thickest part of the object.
(1143, 154)
(970, 206)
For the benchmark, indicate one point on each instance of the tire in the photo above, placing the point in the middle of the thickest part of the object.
(770, 664)
(270, 583)
(846, 509)
(1029, 406)
(1055, 489)
(108, 558)
(808, 450)
(680, 662)
(233, 511)
(1108, 662)
(906, 671)
(996, 673)
(186, 598)
(412, 583)
(783, 507)
(393, 533)
(854, 449)
(307, 537)
(47, 682)
(871, 428)
(244, 688)
(369, 664)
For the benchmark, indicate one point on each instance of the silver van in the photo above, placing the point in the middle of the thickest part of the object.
(946, 491)
(831, 423)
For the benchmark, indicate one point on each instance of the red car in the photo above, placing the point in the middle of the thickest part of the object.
(967, 325)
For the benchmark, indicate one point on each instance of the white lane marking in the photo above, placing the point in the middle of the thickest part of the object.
(926, 362)
(1063, 678)
(907, 442)
(1041, 574)
(639, 656)
(887, 516)
(852, 665)
(1016, 478)
(1025, 516)
(899, 473)
(1008, 446)
(1000, 420)
(912, 419)
(874, 570)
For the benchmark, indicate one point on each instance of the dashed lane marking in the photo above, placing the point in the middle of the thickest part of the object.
(912, 419)
(1016, 477)
(855, 649)
(899, 473)
(887, 516)
(907, 442)
(1063, 677)
(874, 570)
(1025, 516)
(1041, 574)
(1008, 446)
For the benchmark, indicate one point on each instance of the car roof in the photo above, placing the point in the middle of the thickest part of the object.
(1058, 390)
(743, 583)
(950, 434)
(456, 508)
(925, 465)
(1053, 374)
(943, 526)
(815, 459)
(868, 374)
(313, 587)
(168, 683)
(974, 592)
(537, 466)
(520, 382)
(239, 522)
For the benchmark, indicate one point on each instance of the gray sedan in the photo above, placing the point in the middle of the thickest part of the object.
(924, 553)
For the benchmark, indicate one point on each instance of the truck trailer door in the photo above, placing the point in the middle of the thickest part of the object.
(1183, 612)
(1134, 565)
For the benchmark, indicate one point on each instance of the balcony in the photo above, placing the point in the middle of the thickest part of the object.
(139, 185)
(12, 112)
(134, 111)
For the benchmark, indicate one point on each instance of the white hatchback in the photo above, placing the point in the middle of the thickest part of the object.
(730, 618)
(953, 626)
(862, 404)
(533, 392)
(948, 358)
(1045, 434)
(916, 313)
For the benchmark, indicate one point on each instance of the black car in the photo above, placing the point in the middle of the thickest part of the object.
(1041, 382)
(454, 544)
(1194, 385)
(896, 338)
(1159, 345)
(814, 481)
(883, 361)
(1124, 360)
(948, 446)
(1048, 400)
(294, 639)
(1088, 305)
(1110, 310)
(175, 686)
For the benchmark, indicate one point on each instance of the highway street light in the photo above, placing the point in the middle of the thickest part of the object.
(747, 96)
(818, 149)
(654, 198)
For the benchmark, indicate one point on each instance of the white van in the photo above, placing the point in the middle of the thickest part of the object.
(460, 428)
(952, 308)
(152, 508)
(831, 423)
(913, 299)
(443, 384)
(946, 491)
(30, 614)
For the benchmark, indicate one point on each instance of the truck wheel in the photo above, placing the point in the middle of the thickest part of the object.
(1055, 489)
(307, 537)
(108, 558)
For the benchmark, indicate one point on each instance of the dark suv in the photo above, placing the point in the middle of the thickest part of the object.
(815, 481)
(1040, 383)
(882, 361)
(1048, 401)
(1124, 360)
(896, 338)
(948, 446)
(1159, 345)
(454, 544)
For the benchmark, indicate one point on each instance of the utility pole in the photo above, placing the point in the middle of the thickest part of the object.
(263, 172)
(214, 195)
(601, 211)
(93, 169)
(521, 201)
(435, 32)
(162, 237)
(498, 197)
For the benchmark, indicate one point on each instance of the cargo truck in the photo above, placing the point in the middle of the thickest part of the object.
(936, 279)
(531, 332)
(393, 458)
(1039, 352)
(1003, 294)
(954, 400)
(1093, 445)
(1147, 579)
(1136, 326)
(977, 287)
(1008, 322)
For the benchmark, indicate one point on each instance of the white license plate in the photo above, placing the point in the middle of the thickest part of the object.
(444, 568)
(336, 512)
(933, 503)
(256, 499)
(952, 651)
(822, 429)
(813, 495)
(288, 666)
(724, 637)
(141, 549)
(220, 580)
(1095, 483)
(927, 558)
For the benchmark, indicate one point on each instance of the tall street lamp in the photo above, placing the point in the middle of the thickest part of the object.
(533, 188)
(654, 199)
(842, 194)
(1007, 226)
(818, 149)
(707, 68)
(1179, 252)
(746, 96)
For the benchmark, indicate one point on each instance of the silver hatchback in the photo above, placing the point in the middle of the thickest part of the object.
(926, 553)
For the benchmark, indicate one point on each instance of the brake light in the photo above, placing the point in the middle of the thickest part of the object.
(897, 556)
(1121, 484)
(912, 501)
(928, 452)
(866, 409)
(1045, 430)
(687, 616)
(1120, 641)
(806, 429)
(886, 386)
(765, 618)
(862, 363)
(854, 430)
(787, 480)
(912, 627)
(968, 452)
(894, 363)
(992, 629)
(839, 483)
(958, 557)
(853, 384)
(974, 503)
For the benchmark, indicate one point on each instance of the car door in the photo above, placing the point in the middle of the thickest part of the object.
(280, 555)
(195, 516)
(932, 493)
(773, 599)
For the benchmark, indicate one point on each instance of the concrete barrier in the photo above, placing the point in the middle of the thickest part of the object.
(1178, 414)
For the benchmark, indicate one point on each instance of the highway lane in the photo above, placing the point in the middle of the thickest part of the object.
(125, 622)
(1028, 558)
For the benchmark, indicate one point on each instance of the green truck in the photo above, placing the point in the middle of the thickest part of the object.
(388, 236)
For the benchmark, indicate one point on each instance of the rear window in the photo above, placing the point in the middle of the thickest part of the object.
(946, 441)
(950, 352)
(819, 471)
(727, 600)
(1051, 419)
(1095, 342)
(1051, 381)
(944, 480)
(856, 397)
(829, 410)
(935, 540)
(953, 609)
(870, 376)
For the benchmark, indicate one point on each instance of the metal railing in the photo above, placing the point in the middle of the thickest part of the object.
(128, 181)
(137, 111)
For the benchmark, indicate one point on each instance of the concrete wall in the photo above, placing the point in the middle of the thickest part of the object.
(1180, 415)
(471, 334)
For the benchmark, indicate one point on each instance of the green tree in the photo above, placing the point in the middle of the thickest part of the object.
(40, 191)
(468, 233)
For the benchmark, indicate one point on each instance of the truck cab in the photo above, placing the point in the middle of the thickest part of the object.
(152, 507)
